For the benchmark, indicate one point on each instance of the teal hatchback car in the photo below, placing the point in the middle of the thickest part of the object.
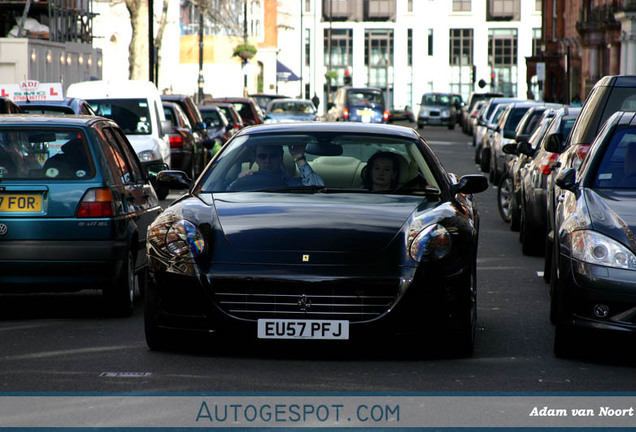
(75, 204)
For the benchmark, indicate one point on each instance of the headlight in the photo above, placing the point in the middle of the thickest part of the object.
(147, 156)
(432, 243)
(445, 113)
(183, 237)
(595, 248)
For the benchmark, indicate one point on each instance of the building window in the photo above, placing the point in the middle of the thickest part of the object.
(378, 56)
(307, 47)
(502, 57)
(409, 47)
(430, 42)
(307, 5)
(338, 51)
(503, 10)
(536, 42)
(409, 6)
(461, 5)
(461, 47)
(379, 10)
(537, 5)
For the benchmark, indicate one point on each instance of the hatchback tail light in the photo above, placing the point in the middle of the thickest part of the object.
(345, 113)
(96, 203)
(176, 140)
(385, 116)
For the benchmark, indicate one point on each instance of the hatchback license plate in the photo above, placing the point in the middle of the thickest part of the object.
(302, 329)
(20, 203)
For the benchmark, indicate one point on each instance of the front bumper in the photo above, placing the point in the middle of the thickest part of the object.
(229, 301)
(600, 297)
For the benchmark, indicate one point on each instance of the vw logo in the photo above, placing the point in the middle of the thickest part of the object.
(3, 229)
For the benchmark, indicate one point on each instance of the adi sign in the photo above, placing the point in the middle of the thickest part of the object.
(32, 90)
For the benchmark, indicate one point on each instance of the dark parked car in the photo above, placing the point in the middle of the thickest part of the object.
(509, 190)
(232, 116)
(75, 205)
(534, 185)
(505, 133)
(68, 105)
(186, 155)
(609, 95)
(8, 106)
(190, 109)
(468, 107)
(319, 250)
(358, 104)
(247, 108)
(220, 130)
(594, 257)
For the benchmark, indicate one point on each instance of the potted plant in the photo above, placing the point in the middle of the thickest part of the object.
(331, 75)
(244, 51)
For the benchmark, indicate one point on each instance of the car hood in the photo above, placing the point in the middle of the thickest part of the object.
(613, 212)
(313, 222)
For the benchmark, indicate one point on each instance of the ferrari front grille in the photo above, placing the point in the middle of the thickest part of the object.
(345, 300)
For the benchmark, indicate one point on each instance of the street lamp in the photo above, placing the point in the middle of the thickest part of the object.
(244, 64)
(201, 80)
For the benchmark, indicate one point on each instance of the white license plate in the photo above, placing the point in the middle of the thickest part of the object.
(302, 329)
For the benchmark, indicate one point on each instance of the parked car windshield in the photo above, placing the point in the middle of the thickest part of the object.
(291, 107)
(338, 159)
(617, 167)
(132, 115)
(44, 154)
(436, 99)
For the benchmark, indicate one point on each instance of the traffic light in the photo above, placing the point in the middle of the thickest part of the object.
(347, 77)
(474, 74)
(492, 79)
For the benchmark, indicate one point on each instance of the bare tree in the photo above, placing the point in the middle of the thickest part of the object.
(138, 49)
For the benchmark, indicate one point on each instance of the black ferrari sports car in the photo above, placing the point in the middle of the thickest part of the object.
(317, 231)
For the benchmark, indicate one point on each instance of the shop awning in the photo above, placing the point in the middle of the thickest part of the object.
(283, 73)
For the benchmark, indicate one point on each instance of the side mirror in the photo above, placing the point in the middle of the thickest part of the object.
(166, 127)
(174, 179)
(566, 179)
(554, 143)
(152, 169)
(524, 147)
(510, 148)
(470, 184)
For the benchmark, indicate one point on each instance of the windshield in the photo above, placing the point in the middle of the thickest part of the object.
(436, 99)
(347, 162)
(132, 115)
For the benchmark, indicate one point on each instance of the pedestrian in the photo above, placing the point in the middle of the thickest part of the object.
(316, 101)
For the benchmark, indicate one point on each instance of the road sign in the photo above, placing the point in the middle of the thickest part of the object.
(32, 90)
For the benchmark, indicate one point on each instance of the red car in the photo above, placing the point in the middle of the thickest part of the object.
(246, 107)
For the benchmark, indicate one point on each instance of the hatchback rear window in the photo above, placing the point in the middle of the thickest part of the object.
(365, 97)
(53, 154)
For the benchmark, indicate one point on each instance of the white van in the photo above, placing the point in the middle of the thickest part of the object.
(137, 108)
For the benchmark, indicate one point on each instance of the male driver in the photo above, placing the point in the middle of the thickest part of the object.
(271, 173)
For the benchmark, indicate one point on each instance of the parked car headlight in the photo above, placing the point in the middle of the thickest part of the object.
(445, 113)
(432, 243)
(595, 248)
(183, 237)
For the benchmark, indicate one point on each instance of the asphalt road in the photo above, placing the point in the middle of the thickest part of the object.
(64, 342)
